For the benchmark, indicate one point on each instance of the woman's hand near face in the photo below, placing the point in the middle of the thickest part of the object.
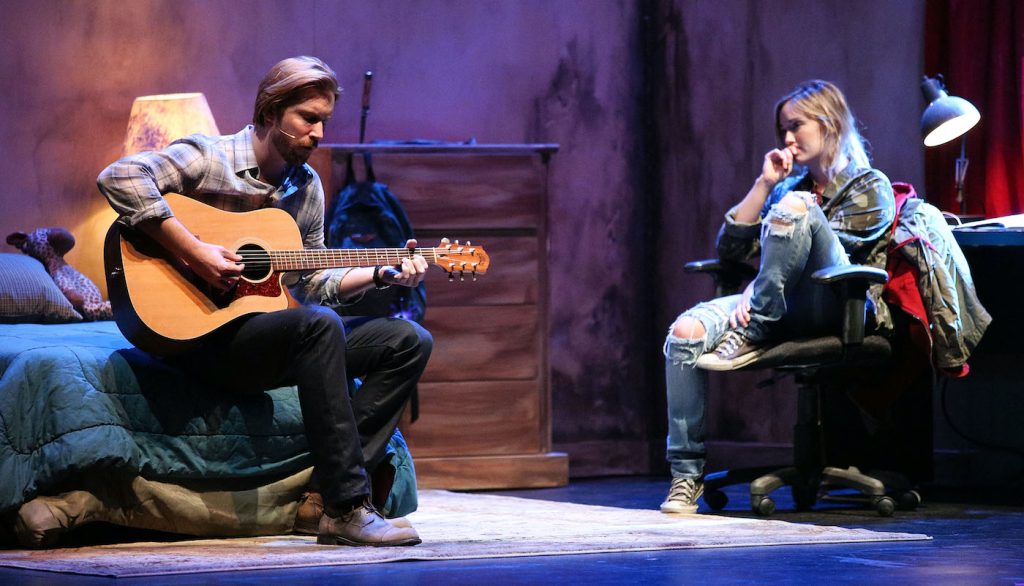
(778, 164)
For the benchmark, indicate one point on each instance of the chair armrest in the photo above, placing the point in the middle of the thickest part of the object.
(852, 282)
(838, 274)
(728, 275)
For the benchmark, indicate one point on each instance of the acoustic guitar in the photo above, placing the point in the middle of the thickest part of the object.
(161, 306)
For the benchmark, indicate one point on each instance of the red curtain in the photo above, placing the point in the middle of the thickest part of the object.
(979, 49)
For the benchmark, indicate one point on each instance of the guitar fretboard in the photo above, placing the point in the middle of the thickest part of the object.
(304, 260)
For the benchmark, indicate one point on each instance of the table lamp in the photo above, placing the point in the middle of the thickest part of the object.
(156, 121)
(946, 118)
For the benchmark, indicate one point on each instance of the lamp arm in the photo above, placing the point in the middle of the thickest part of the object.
(961, 174)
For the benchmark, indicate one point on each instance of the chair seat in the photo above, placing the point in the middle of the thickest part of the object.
(826, 350)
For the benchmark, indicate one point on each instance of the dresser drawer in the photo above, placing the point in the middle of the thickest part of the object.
(476, 419)
(497, 342)
(510, 280)
(465, 191)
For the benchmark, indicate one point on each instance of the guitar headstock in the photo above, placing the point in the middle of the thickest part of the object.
(461, 259)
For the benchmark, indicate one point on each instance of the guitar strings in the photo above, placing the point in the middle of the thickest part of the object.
(393, 252)
(309, 258)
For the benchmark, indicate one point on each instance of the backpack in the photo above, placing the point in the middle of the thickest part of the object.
(365, 214)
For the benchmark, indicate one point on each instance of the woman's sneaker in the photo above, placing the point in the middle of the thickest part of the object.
(682, 497)
(734, 351)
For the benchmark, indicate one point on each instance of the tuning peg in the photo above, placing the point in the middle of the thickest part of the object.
(462, 275)
(451, 277)
(474, 275)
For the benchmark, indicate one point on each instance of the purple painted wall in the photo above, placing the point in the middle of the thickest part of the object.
(563, 71)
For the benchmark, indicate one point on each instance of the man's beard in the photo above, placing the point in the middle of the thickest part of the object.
(290, 150)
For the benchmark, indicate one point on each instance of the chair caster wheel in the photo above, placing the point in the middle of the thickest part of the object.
(763, 506)
(910, 500)
(885, 506)
(716, 499)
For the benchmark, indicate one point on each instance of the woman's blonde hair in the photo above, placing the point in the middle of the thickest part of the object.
(822, 101)
(289, 82)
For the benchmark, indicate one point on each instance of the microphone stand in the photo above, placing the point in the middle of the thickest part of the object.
(350, 174)
(367, 81)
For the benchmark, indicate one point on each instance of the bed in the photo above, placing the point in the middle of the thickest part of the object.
(92, 428)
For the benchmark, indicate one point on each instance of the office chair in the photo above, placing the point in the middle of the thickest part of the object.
(812, 361)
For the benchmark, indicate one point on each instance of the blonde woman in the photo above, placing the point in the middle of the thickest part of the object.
(817, 203)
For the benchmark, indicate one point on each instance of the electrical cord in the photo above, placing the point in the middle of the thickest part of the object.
(952, 219)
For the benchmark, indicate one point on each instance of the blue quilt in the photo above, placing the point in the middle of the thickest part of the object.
(78, 397)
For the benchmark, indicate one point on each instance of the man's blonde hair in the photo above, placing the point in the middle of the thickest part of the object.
(289, 82)
(822, 101)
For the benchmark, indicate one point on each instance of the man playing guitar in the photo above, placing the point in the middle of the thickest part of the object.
(310, 346)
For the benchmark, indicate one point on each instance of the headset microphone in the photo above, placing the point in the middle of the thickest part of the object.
(291, 136)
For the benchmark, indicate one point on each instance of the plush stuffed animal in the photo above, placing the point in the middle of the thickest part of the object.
(48, 246)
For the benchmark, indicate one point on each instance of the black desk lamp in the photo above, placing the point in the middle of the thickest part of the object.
(946, 118)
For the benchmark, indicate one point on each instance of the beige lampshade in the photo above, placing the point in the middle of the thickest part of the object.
(156, 121)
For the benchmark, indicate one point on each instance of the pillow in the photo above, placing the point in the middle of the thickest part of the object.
(29, 295)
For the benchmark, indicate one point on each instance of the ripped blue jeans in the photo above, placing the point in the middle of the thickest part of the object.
(785, 303)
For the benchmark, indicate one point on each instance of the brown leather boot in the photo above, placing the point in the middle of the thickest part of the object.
(307, 517)
(363, 525)
(311, 508)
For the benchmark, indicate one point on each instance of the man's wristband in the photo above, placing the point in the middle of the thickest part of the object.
(378, 282)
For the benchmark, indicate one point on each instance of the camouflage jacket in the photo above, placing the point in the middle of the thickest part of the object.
(954, 315)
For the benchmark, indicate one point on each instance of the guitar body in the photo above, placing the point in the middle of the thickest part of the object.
(161, 307)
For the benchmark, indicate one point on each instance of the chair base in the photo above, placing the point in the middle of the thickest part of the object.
(714, 482)
(881, 490)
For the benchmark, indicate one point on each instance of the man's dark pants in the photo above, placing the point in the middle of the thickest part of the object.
(319, 351)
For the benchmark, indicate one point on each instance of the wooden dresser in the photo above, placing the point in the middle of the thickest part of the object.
(485, 405)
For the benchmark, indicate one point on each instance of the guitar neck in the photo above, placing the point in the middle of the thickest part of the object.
(333, 258)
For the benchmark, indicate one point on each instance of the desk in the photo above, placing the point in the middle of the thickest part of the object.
(988, 404)
(968, 238)
(996, 258)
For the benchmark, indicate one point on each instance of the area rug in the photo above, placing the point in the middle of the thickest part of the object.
(453, 526)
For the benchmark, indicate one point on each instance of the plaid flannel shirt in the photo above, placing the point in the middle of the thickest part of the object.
(221, 171)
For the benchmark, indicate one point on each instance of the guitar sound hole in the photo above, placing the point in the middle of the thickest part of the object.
(257, 262)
